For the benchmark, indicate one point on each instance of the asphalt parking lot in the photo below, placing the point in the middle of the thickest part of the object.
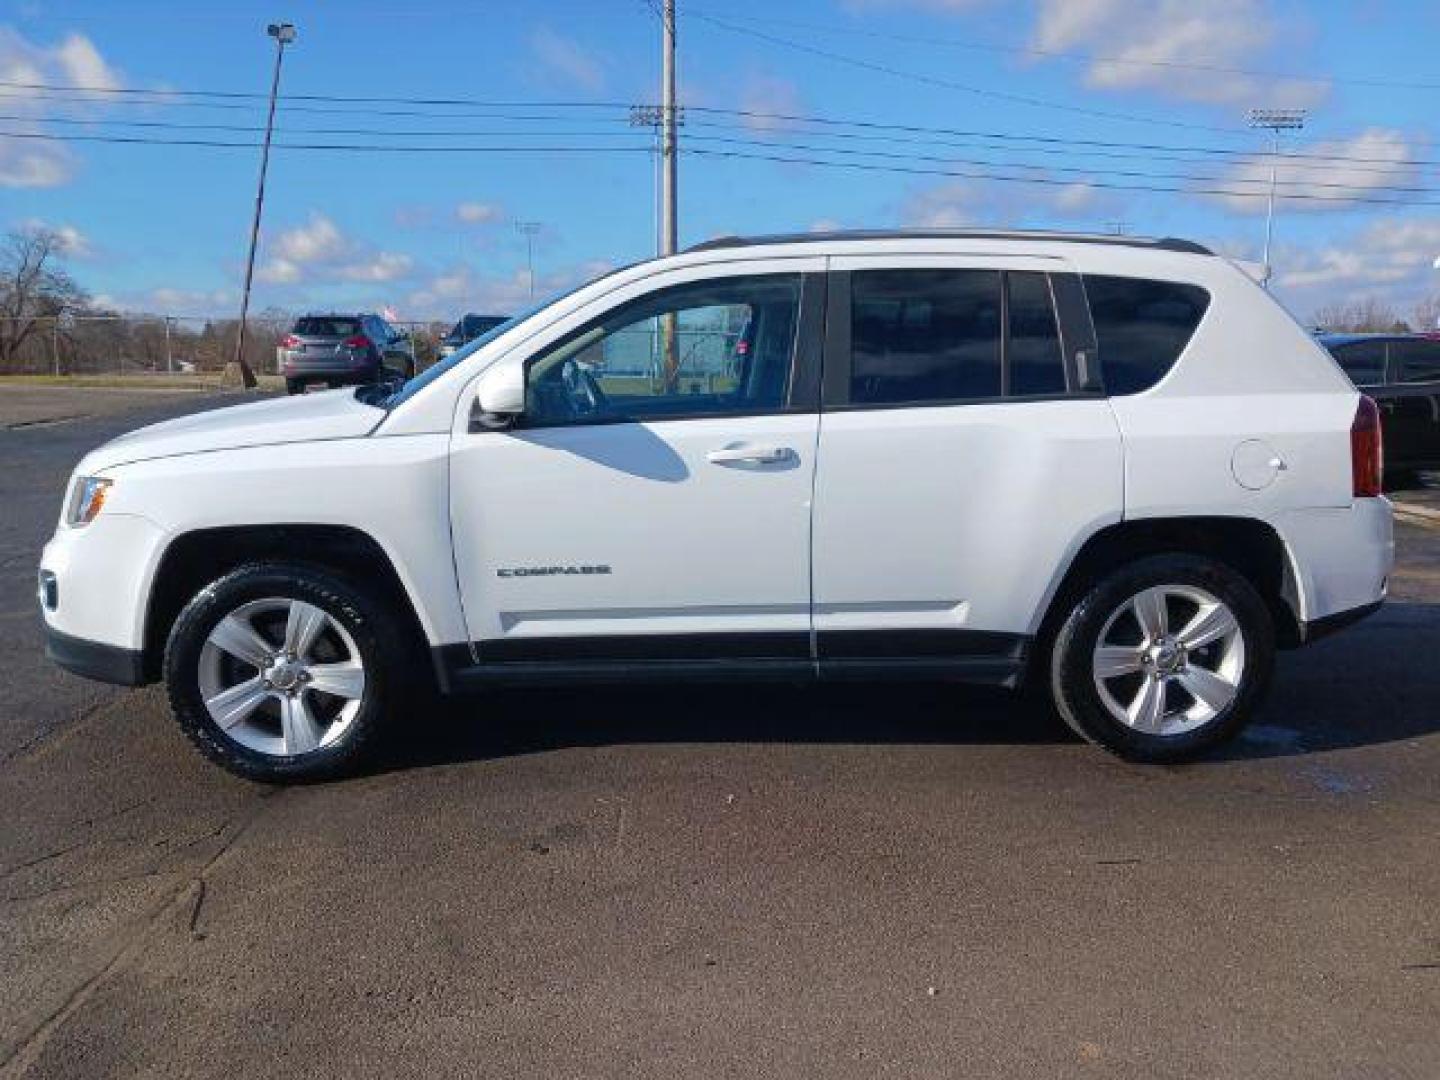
(735, 881)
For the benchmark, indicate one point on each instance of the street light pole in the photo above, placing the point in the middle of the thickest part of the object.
(284, 34)
(529, 229)
(1275, 121)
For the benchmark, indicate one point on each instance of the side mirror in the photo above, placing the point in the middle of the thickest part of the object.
(500, 399)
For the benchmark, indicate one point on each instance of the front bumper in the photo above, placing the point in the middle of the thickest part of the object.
(99, 577)
(95, 660)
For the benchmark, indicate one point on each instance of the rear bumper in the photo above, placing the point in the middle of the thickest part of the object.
(1341, 558)
(94, 659)
(1323, 628)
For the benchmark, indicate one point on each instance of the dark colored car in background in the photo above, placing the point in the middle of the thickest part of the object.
(468, 329)
(341, 350)
(1402, 373)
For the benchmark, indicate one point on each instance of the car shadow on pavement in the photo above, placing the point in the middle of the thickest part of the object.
(513, 722)
(1376, 683)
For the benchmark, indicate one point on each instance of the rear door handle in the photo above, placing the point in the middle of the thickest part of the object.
(749, 454)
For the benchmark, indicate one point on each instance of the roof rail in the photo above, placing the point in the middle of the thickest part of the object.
(1164, 244)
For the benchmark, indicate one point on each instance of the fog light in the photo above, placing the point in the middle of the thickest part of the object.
(49, 590)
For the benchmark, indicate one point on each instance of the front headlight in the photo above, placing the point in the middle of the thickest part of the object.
(87, 500)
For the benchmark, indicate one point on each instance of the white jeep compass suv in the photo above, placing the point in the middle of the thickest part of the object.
(1114, 470)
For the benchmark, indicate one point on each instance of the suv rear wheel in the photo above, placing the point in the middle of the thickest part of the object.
(1163, 659)
(282, 671)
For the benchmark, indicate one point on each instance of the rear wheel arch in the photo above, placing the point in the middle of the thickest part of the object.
(194, 559)
(1251, 547)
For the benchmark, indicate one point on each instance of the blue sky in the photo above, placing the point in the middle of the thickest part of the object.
(1162, 84)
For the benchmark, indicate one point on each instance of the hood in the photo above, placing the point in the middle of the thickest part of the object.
(334, 414)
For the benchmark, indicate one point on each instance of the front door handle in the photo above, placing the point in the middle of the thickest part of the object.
(749, 454)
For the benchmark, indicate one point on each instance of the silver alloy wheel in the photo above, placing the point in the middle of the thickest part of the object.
(1169, 660)
(281, 677)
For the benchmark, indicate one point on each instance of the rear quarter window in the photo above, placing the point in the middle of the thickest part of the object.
(1141, 327)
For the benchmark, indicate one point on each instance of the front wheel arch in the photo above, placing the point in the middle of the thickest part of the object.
(194, 559)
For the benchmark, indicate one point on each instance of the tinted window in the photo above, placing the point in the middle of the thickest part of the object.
(924, 336)
(318, 326)
(1037, 365)
(675, 353)
(1419, 360)
(1363, 361)
(1141, 328)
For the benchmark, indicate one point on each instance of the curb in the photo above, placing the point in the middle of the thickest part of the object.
(1415, 514)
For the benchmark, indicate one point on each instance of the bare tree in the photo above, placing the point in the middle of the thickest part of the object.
(1426, 315)
(1360, 316)
(33, 289)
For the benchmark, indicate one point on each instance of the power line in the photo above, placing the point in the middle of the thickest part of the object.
(1080, 171)
(1068, 150)
(1079, 57)
(172, 99)
(1050, 182)
(244, 95)
(138, 140)
(732, 154)
(1229, 152)
(1131, 173)
(947, 84)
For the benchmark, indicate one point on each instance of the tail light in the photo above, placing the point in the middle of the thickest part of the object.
(1367, 450)
(742, 348)
(289, 341)
(357, 342)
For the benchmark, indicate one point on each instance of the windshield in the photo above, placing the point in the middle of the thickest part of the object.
(440, 367)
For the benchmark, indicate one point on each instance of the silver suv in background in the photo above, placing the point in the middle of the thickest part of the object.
(342, 350)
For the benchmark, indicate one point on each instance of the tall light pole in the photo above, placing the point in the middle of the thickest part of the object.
(529, 229)
(1275, 121)
(284, 34)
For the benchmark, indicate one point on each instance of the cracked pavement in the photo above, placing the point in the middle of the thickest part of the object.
(734, 881)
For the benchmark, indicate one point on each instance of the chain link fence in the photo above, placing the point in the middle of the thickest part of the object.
(160, 345)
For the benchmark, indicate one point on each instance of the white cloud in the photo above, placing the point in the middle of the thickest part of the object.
(318, 241)
(84, 66)
(459, 289)
(950, 205)
(566, 59)
(955, 204)
(773, 95)
(70, 241)
(33, 162)
(320, 251)
(1147, 45)
(478, 213)
(383, 266)
(1367, 164)
(1390, 260)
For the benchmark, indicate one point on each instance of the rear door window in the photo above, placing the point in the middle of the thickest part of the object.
(1363, 361)
(1142, 327)
(924, 336)
(1418, 359)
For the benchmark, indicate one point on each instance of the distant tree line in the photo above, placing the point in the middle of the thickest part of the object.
(48, 323)
(1371, 315)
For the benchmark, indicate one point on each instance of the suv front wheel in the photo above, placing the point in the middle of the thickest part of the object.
(281, 671)
(1163, 659)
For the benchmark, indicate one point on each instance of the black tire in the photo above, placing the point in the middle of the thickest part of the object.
(294, 386)
(370, 623)
(1071, 675)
